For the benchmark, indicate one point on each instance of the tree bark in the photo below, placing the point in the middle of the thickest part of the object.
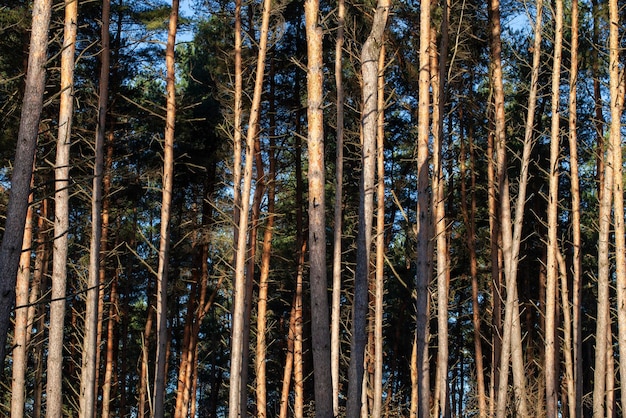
(423, 217)
(54, 387)
(166, 207)
(577, 373)
(380, 240)
(90, 342)
(551, 341)
(438, 73)
(237, 386)
(32, 103)
(616, 83)
(335, 336)
(320, 323)
(20, 357)
(261, 345)
(369, 126)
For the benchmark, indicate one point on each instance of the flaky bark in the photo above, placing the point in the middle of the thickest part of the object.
(32, 103)
(166, 203)
(320, 323)
(54, 394)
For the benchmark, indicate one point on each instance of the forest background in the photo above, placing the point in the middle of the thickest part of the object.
(312, 208)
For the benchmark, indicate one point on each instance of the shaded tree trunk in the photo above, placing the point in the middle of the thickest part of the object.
(32, 103)
(320, 323)
(369, 124)
(90, 342)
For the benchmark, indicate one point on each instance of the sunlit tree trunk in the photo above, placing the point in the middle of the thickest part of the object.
(438, 74)
(551, 338)
(166, 204)
(298, 326)
(320, 323)
(90, 342)
(423, 217)
(335, 336)
(32, 103)
(511, 229)
(54, 387)
(616, 83)
(380, 240)
(19, 363)
(369, 125)
(289, 360)
(237, 386)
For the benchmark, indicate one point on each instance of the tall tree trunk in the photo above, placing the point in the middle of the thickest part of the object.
(335, 330)
(616, 82)
(166, 207)
(469, 218)
(511, 228)
(438, 73)
(551, 340)
(237, 386)
(576, 402)
(380, 240)
(423, 218)
(90, 342)
(32, 103)
(20, 358)
(298, 363)
(369, 124)
(54, 394)
(261, 344)
(320, 323)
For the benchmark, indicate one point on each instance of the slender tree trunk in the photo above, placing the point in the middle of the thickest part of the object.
(32, 103)
(237, 386)
(261, 345)
(511, 228)
(438, 73)
(289, 362)
(90, 342)
(298, 337)
(111, 342)
(576, 401)
(423, 217)
(18, 379)
(166, 207)
(335, 337)
(380, 240)
(320, 323)
(551, 340)
(54, 393)
(369, 124)
(616, 83)
(469, 218)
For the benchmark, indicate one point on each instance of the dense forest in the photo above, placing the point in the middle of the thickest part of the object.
(312, 208)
